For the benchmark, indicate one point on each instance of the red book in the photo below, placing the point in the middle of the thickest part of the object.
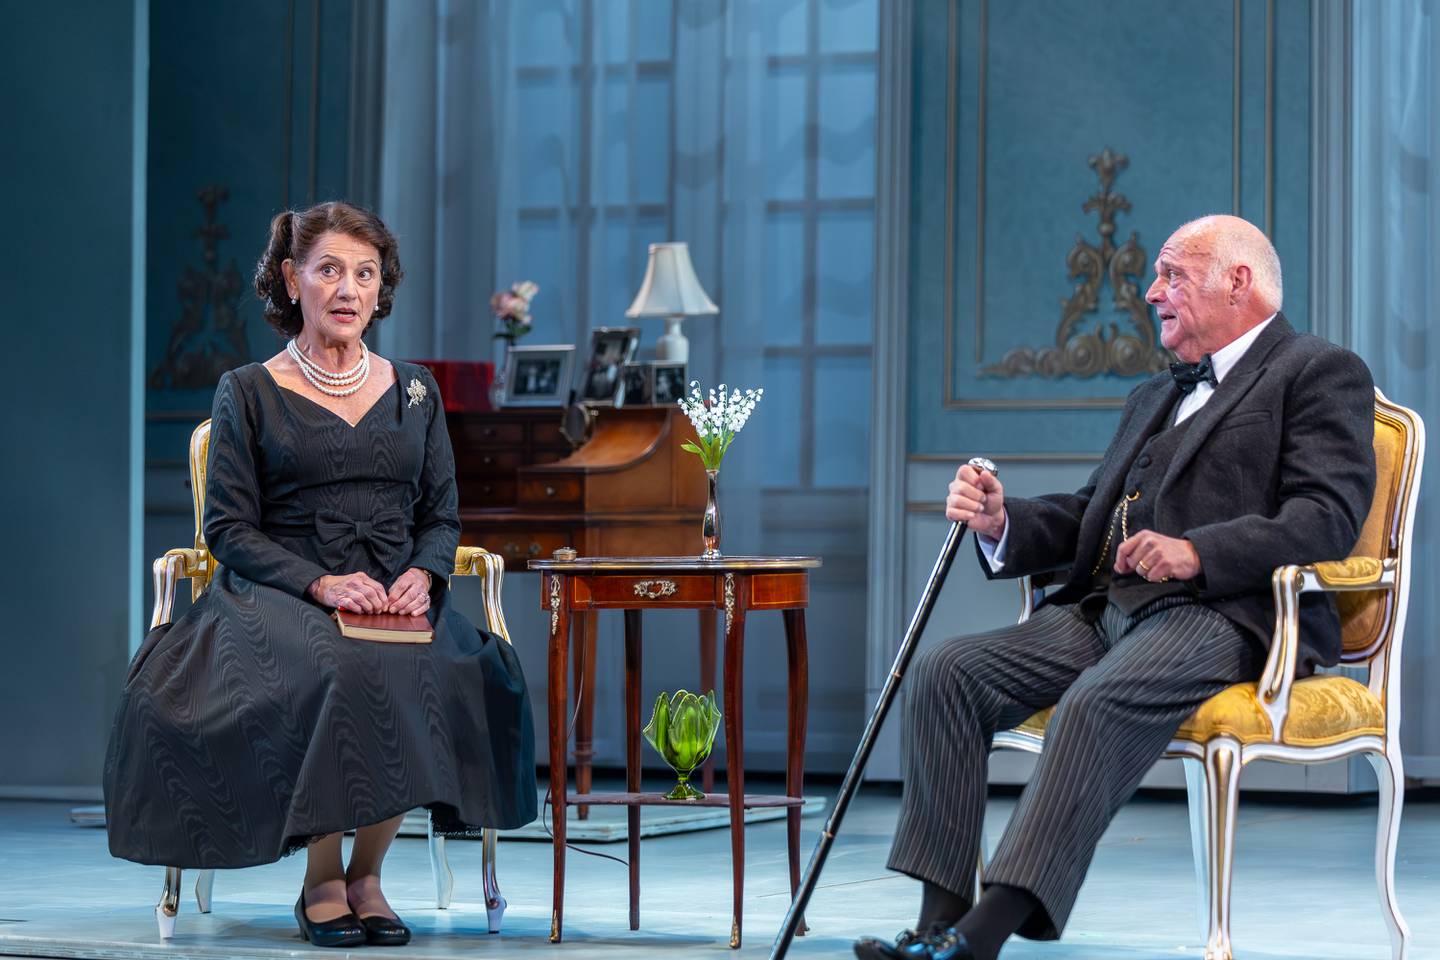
(384, 627)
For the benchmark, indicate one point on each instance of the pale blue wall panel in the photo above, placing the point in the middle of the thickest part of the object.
(1011, 101)
(68, 165)
(1291, 220)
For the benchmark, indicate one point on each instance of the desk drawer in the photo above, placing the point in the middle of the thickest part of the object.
(519, 546)
(654, 591)
(482, 461)
(546, 433)
(482, 492)
(491, 434)
(551, 491)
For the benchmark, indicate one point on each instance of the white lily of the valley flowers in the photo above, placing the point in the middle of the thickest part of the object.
(717, 419)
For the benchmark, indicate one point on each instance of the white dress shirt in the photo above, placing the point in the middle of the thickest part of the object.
(1222, 361)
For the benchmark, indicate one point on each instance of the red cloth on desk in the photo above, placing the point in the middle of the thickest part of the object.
(464, 384)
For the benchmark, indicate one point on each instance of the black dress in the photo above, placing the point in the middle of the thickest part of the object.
(250, 726)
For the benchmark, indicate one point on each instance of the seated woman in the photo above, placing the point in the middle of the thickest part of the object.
(250, 727)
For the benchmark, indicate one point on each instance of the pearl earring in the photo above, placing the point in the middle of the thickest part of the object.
(293, 301)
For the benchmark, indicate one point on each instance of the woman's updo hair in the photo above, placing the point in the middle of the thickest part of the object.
(292, 235)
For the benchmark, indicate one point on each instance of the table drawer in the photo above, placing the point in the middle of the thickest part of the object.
(654, 591)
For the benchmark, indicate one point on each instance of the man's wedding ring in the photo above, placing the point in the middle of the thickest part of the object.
(1144, 567)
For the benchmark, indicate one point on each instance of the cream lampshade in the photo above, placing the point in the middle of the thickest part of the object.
(671, 290)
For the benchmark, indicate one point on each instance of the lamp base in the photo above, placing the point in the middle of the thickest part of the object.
(672, 347)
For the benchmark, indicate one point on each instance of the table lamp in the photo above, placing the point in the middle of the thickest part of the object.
(671, 290)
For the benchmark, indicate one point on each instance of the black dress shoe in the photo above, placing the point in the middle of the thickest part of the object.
(385, 931)
(344, 931)
(938, 943)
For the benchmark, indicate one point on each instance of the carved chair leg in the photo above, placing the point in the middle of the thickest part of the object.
(1199, 839)
(494, 902)
(204, 889)
(1222, 800)
(440, 869)
(169, 905)
(1390, 772)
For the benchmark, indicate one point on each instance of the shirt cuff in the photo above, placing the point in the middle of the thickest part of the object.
(994, 550)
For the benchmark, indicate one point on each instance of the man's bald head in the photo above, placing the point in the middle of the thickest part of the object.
(1234, 242)
(1215, 278)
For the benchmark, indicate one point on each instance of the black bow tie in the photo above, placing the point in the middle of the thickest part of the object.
(1189, 375)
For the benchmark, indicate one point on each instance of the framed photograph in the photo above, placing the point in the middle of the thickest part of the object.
(637, 384)
(667, 382)
(610, 349)
(539, 375)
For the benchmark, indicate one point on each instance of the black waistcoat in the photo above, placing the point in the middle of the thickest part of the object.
(1130, 591)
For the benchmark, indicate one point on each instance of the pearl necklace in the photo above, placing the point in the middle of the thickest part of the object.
(332, 384)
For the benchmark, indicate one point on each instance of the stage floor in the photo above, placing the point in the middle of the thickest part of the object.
(1304, 887)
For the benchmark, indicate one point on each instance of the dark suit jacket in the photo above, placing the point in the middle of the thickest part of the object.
(1277, 467)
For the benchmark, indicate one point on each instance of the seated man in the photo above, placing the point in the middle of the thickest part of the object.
(1255, 451)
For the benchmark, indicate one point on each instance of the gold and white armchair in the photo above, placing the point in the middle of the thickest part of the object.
(196, 565)
(1315, 719)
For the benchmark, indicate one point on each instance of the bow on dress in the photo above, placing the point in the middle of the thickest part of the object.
(385, 535)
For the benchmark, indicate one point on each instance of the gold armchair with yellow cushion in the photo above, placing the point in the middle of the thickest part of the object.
(1315, 719)
(196, 565)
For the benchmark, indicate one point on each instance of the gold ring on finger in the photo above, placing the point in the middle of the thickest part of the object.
(1144, 567)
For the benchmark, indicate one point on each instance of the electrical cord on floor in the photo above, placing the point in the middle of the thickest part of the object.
(550, 788)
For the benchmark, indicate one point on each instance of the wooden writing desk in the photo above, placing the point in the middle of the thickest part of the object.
(629, 491)
(735, 585)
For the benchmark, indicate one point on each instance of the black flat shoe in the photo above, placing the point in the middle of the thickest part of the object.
(343, 931)
(385, 932)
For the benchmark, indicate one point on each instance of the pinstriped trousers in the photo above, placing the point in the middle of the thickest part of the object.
(1123, 685)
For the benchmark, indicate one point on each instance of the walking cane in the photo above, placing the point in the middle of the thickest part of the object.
(851, 783)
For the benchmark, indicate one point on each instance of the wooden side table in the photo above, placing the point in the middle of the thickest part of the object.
(734, 585)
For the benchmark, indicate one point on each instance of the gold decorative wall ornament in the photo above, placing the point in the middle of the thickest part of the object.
(1105, 348)
(208, 337)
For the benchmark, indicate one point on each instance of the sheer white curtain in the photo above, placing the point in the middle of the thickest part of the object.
(442, 115)
(553, 140)
(1395, 263)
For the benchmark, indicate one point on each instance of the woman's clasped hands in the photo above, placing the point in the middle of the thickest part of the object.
(358, 592)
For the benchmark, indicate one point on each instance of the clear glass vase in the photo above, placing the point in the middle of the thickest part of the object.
(710, 524)
(497, 382)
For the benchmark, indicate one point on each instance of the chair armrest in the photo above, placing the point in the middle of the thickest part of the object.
(1288, 583)
(490, 567)
(167, 571)
(1354, 573)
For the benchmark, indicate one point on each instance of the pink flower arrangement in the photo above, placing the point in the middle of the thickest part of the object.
(512, 308)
